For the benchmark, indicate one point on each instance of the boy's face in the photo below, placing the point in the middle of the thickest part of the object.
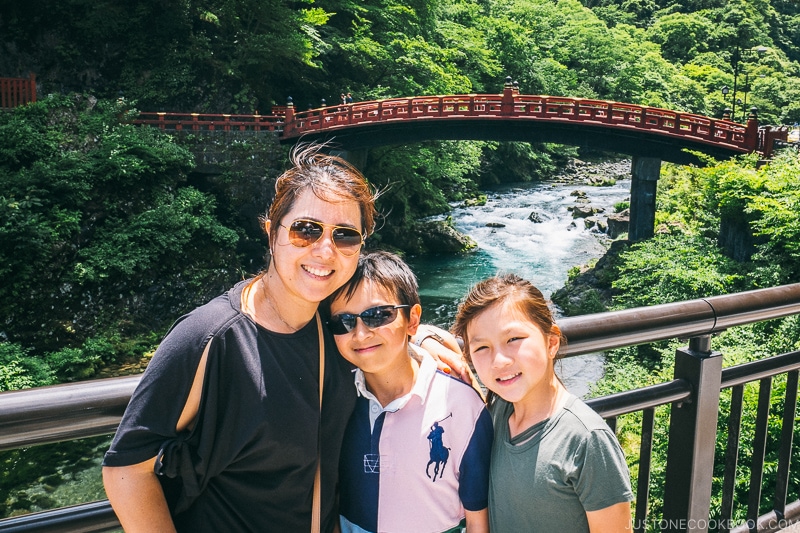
(380, 349)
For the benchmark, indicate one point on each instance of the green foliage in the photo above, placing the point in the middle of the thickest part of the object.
(682, 35)
(19, 370)
(672, 268)
(519, 162)
(97, 224)
(247, 55)
(777, 221)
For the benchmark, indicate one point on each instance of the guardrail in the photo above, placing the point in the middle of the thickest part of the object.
(511, 104)
(17, 91)
(63, 412)
(207, 122)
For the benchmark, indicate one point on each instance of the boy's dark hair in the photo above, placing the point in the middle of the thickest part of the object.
(386, 270)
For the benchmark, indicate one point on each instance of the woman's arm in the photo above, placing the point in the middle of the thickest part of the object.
(134, 491)
(478, 521)
(137, 498)
(613, 519)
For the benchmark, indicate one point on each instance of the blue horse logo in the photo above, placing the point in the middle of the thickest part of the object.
(439, 453)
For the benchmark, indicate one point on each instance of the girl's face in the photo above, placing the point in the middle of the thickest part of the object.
(511, 355)
(310, 274)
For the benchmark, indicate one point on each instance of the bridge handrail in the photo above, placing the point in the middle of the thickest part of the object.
(209, 121)
(536, 107)
(78, 410)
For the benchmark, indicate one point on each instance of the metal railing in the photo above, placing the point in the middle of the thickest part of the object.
(72, 411)
(17, 91)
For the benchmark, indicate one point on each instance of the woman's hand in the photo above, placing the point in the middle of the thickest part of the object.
(444, 347)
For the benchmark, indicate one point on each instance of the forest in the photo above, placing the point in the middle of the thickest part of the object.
(108, 233)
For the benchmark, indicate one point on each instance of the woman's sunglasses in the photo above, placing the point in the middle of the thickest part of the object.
(374, 317)
(304, 233)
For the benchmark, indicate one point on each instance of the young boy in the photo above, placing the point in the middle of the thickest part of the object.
(416, 451)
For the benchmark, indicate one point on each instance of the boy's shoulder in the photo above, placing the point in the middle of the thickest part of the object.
(454, 391)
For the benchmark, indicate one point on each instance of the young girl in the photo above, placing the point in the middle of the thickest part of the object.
(556, 465)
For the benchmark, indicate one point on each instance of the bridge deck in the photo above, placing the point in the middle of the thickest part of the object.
(615, 126)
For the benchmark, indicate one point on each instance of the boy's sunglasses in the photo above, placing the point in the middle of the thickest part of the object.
(374, 317)
(304, 233)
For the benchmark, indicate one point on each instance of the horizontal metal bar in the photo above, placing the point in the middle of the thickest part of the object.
(621, 403)
(763, 368)
(77, 410)
(63, 412)
(771, 522)
(91, 517)
(614, 329)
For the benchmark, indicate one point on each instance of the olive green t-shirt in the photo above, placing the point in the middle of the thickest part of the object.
(566, 465)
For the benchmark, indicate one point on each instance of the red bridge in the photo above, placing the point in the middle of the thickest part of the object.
(619, 127)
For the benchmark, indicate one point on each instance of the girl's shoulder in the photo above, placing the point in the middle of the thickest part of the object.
(581, 413)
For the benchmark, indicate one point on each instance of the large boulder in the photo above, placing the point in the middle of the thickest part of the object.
(619, 223)
(428, 237)
(441, 237)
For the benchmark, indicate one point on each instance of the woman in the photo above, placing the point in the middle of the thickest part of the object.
(224, 431)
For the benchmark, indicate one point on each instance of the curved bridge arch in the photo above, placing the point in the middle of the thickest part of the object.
(650, 135)
(619, 127)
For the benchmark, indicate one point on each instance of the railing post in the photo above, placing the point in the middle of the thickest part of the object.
(507, 103)
(751, 134)
(32, 88)
(692, 437)
(288, 118)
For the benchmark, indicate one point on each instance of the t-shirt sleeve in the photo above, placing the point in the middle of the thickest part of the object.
(155, 406)
(473, 481)
(603, 479)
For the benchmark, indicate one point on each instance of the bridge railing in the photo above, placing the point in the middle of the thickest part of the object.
(17, 91)
(534, 107)
(206, 122)
(693, 397)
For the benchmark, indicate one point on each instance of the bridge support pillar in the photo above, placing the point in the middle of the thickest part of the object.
(645, 172)
(357, 158)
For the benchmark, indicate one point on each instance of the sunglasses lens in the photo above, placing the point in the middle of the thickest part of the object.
(304, 233)
(374, 317)
(378, 316)
(341, 324)
(347, 240)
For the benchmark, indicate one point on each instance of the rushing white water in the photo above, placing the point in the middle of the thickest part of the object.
(540, 252)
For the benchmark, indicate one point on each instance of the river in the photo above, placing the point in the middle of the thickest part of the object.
(541, 252)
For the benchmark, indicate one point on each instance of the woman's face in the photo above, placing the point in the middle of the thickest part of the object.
(312, 273)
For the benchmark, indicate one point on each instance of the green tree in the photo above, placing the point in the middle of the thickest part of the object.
(99, 231)
(681, 35)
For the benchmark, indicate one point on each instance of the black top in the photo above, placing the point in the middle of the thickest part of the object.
(249, 463)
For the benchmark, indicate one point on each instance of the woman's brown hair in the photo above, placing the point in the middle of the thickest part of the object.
(329, 177)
